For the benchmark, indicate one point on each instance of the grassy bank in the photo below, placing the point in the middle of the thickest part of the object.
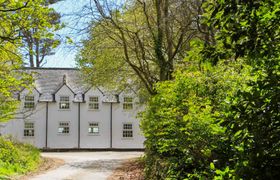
(17, 158)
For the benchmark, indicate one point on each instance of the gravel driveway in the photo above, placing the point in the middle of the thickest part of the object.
(85, 165)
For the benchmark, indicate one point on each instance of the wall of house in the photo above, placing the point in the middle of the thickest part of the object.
(56, 115)
(100, 116)
(56, 140)
(15, 127)
(121, 116)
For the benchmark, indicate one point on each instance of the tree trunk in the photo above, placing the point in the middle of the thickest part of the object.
(37, 53)
(31, 58)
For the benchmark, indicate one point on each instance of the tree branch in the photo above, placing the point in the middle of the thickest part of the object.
(15, 9)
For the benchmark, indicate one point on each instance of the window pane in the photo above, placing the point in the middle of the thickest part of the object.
(28, 129)
(29, 132)
(93, 99)
(93, 103)
(127, 126)
(127, 106)
(93, 128)
(127, 99)
(29, 102)
(28, 125)
(128, 103)
(29, 98)
(64, 98)
(60, 130)
(64, 102)
(127, 130)
(63, 128)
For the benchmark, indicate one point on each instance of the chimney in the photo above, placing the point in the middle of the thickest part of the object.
(64, 79)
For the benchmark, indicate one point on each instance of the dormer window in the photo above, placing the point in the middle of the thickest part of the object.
(127, 103)
(64, 102)
(93, 103)
(29, 102)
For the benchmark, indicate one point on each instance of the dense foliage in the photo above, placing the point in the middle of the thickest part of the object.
(17, 17)
(12, 80)
(220, 117)
(17, 158)
(181, 123)
(38, 31)
(140, 40)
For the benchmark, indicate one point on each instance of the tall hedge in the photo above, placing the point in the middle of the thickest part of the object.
(181, 123)
(221, 121)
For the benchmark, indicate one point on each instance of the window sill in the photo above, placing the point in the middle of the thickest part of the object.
(60, 134)
(29, 109)
(64, 109)
(28, 137)
(128, 138)
(93, 134)
(94, 110)
(127, 110)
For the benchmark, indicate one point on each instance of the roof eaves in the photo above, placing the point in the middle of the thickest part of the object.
(64, 84)
(96, 88)
(128, 86)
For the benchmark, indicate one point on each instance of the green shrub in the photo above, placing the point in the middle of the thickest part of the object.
(181, 123)
(221, 122)
(253, 123)
(17, 158)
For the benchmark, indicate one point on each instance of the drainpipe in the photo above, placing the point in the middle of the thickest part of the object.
(79, 125)
(47, 123)
(111, 125)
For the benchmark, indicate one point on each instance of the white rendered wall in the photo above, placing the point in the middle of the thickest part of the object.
(15, 127)
(121, 116)
(56, 115)
(101, 116)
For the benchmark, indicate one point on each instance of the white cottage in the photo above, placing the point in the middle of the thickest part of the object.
(61, 112)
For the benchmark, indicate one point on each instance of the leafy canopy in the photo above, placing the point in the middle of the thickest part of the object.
(16, 15)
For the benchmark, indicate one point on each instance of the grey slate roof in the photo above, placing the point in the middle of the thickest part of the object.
(49, 80)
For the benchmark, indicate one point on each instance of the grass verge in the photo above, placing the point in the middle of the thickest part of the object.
(17, 158)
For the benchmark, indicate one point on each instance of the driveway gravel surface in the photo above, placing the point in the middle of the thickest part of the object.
(85, 165)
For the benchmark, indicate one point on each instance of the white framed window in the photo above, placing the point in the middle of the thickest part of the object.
(127, 130)
(29, 130)
(64, 102)
(93, 128)
(63, 128)
(29, 102)
(93, 103)
(127, 103)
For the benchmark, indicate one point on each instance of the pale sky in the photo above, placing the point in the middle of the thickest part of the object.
(65, 53)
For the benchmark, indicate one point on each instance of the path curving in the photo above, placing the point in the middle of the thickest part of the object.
(85, 165)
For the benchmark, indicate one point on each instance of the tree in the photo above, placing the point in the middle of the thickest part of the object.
(9, 30)
(250, 30)
(244, 28)
(180, 123)
(147, 37)
(220, 120)
(12, 80)
(13, 17)
(38, 35)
